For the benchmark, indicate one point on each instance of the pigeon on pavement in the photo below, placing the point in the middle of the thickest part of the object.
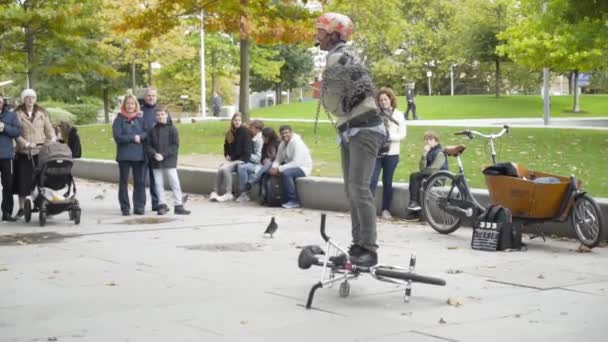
(272, 227)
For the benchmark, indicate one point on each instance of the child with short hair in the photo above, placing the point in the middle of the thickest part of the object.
(162, 147)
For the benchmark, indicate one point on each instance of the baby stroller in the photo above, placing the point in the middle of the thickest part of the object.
(54, 187)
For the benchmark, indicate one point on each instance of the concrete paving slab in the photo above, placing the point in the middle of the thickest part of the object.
(213, 276)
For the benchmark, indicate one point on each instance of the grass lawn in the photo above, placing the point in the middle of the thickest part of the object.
(465, 107)
(558, 151)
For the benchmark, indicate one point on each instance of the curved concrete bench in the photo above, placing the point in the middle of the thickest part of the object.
(321, 193)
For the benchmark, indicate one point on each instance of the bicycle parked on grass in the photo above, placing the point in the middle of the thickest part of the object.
(447, 199)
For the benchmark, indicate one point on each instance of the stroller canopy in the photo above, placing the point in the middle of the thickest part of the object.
(52, 152)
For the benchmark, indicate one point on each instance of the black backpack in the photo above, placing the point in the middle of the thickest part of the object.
(494, 230)
(271, 191)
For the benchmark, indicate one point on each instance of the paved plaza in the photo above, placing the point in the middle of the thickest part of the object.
(213, 276)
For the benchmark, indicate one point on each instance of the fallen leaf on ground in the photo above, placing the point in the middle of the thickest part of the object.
(452, 247)
(442, 321)
(453, 271)
(583, 249)
(3, 269)
(540, 276)
(243, 322)
(111, 284)
(455, 302)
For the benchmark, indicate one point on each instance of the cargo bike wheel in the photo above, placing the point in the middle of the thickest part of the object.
(435, 199)
(587, 222)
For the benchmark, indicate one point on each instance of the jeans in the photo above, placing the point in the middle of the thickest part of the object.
(358, 161)
(152, 183)
(223, 180)
(245, 172)
(6, 174)
(411, 106)
(416, 179)
(139, 185)
(288, 177)
(388, 165)
(173, 184)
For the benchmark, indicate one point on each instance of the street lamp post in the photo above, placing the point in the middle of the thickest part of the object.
(451, 79)
(203, 91)
(429, 74)
(546, 111)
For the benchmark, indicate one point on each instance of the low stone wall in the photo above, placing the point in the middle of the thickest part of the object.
(315, 192)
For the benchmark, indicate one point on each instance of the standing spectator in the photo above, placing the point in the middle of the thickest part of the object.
(129, 133)
(36, 129)
(432, 160)
(68, 134)
(246, 170)
(162, 146)
(293, 161)
(149, 109)
(217, 104)
(387, 163)
(347, 93)
(409, 95)
(9, 130)
(237, 150)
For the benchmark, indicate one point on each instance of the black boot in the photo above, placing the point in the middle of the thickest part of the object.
(180, 210)
(366, 258)
(7, 217)
(162, 209)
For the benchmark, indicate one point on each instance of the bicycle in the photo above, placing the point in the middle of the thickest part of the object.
(447, 198)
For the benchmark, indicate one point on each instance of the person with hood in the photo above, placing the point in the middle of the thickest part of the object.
(68, 134)
(129, 133)
(9, 130)
(347, 94)
(162, 147)
(36, 130)
(292, 162)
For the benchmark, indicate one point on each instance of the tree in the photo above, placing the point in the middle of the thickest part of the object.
(565, 37)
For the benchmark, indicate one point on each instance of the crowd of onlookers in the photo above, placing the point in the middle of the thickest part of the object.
(148, 146)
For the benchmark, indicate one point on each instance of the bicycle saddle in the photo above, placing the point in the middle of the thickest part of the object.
(454, 151)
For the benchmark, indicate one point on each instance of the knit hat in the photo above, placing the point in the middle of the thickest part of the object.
(336, 22)
(28, 92)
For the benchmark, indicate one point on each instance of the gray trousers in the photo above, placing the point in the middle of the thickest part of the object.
(358, 162)
(223, 179)
(159, 183)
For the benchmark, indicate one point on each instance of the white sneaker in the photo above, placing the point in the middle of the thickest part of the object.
(213, 196)
(386, 215)
(225, 197)
(243, 198)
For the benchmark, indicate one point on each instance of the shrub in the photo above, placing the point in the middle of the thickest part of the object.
(85, 113)
(57, 114)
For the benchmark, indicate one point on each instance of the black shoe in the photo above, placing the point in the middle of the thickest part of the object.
(8, 218)
(162, 209)
(126, 212)
(414, 206)
(138, 211)
(367, 259)
(20, 213)
(155, 207)
(180, 210)
(412, 216)
(353, 251)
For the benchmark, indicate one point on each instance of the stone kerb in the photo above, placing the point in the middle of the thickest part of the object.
(321, 193)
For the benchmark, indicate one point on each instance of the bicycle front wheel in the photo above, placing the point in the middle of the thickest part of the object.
(587, 221)
(434, 199)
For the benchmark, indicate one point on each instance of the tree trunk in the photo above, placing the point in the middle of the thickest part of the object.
(576, 105)
(244, 84)
(106, 106)
(29, 47)
(497, 76)
(133, 82)
(149, 70)
(570, 83)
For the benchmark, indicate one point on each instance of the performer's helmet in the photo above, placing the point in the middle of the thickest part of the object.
(336, 22)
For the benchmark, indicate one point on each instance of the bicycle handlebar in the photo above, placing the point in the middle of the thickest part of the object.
(472, 134)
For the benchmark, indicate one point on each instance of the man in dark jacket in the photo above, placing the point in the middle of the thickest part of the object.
(9, 130)
(149, 115)
(162, 147)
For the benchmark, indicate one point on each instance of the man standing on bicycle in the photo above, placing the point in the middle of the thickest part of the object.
(348, 94)
(432, 160)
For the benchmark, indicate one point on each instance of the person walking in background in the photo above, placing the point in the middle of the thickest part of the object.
(129, 133)
(162, 147)
(293, 161)
(237, 150)
(387, 162)
(347, 93)
(68, 134)
(9, 130)
(217, 104)
(36, 129)
(411, 105)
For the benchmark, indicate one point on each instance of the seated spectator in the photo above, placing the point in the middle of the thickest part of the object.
(269, 154)
(432, 160)
(67, 134)
(237, 150)
(293, 161)
(246, 170)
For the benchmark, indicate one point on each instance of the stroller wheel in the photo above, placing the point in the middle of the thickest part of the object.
(27, 210)
(71, 214)
(42, 217)
(77, 216)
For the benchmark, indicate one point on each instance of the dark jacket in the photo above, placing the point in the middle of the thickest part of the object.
(12, 129)
(434, 161)
(163, 139)
(124, 131)
(73, 141)
(149, 116)
(241, 147)
(269, 151)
